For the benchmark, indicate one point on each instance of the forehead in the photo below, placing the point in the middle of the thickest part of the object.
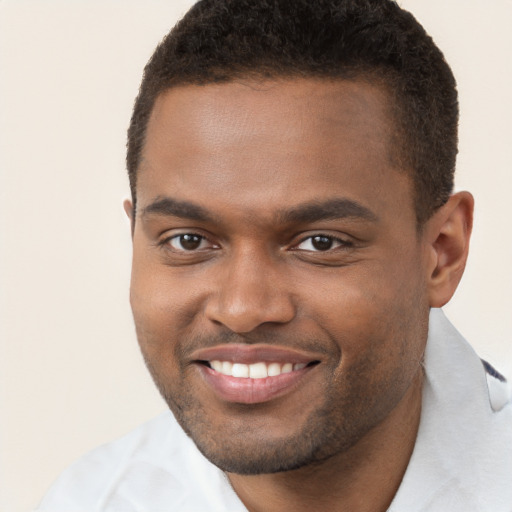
(265, 144)
(283, 110)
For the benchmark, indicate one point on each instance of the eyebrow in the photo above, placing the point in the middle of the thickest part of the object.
(174, 208)
(315, 211)
(331, 209)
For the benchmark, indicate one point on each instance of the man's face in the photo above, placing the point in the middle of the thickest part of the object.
(274, 238)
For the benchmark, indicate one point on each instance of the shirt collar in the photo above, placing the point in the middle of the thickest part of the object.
(458, 434)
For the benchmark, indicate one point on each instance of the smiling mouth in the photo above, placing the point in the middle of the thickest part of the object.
(252, 374)
(253, 383)
(258, 370)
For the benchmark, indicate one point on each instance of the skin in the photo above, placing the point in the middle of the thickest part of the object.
(255, 170)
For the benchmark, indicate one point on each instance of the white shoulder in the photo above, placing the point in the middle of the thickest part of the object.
(155, 467)
(87, 484)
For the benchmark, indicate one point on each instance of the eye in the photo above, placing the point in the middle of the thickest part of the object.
(321, 243)
(187, 242)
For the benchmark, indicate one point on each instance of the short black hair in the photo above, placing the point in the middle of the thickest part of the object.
(224, 40)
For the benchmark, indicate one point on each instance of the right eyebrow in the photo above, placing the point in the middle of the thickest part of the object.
(169, 207)
(331, 209)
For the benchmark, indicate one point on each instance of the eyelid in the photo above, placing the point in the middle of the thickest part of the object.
(165, 242)
(338, 242)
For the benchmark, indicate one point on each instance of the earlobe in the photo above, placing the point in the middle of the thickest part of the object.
(449, 231)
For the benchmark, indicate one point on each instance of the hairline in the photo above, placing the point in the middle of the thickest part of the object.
(379, 77)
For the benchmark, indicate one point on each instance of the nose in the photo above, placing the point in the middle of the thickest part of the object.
(250, 291)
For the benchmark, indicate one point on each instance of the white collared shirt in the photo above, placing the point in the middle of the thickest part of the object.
(462, 460)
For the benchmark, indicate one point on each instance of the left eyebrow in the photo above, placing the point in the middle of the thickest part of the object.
(331, 209)
(170, 207)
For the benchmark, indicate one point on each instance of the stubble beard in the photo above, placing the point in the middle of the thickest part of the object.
(330, 429)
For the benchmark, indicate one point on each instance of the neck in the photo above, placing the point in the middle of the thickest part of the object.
(365, 478)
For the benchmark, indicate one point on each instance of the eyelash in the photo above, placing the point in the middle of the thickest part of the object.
(332, 240)
(168, 240)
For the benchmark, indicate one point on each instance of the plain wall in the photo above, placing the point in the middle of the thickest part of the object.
(71, 376)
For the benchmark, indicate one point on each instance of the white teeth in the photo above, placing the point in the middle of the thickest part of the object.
(274, 369)
(227, 368)
(258, 370)
(216, 365)
(240, 370)
(287, 368)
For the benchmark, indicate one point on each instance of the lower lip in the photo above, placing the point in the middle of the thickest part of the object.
(252, 391)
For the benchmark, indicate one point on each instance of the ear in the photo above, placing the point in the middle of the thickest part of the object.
(128, 208)
(448, 233)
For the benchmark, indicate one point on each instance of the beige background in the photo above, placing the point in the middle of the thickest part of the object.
(70, 373)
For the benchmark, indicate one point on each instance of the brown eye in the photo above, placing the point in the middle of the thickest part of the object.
(187, 242)
(322, 243)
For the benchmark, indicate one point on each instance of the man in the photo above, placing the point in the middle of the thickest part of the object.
(294, 230)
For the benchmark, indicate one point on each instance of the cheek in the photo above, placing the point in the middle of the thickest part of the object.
(154, 306)
(377, 314)
(152, 302)
(161, 303)
(381, 340)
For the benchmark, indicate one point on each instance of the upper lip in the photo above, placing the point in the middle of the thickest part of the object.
(249, 354)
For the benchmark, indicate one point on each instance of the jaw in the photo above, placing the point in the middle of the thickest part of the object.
(256, 428)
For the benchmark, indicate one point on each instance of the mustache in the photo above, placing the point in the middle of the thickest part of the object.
(269, 337)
